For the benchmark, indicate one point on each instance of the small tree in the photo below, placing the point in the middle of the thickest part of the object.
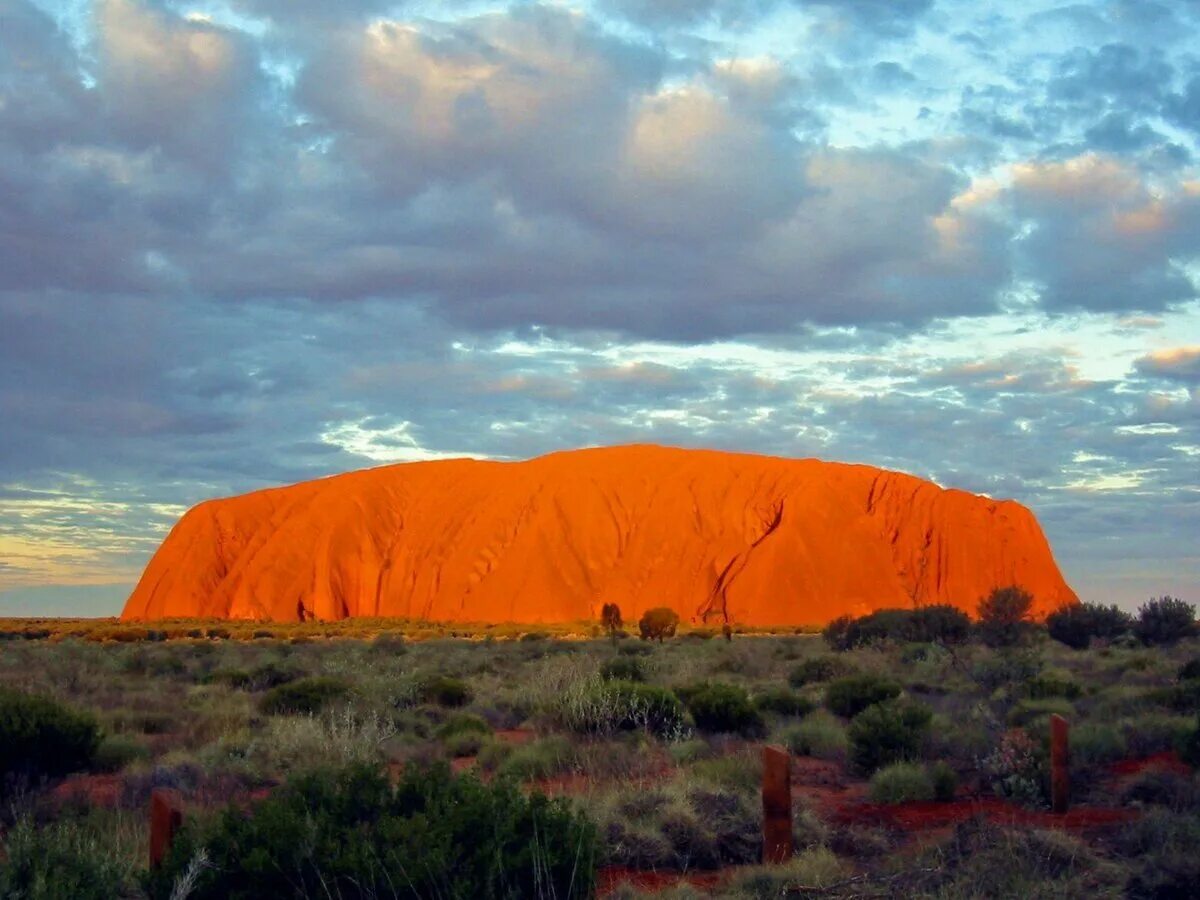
(840, 634)
(1164, 620)
(1075, 624)
(658, 623)
(1005, 616)
(939, 623)
(610, 618)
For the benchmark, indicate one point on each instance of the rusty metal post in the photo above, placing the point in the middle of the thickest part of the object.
(166, 817)
(1060, 764)
(777, 805)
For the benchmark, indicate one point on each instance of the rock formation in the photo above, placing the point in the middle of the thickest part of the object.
(719, 537)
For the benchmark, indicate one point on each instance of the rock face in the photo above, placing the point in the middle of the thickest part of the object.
(719, 537)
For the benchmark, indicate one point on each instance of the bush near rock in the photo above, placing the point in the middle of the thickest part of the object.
(351, 834)
(42, 737)
(888, 732)
(304, 696)
(718, 707)
(849, 696)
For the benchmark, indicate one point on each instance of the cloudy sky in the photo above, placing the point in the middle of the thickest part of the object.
(247, 242)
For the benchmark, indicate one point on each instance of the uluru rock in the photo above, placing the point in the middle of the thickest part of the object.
(752, 540)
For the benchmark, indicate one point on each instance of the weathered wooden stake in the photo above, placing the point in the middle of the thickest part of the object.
(1060, 764)
(166, 817)
(777, 805)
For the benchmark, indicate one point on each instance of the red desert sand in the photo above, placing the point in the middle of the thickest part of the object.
(718, 537)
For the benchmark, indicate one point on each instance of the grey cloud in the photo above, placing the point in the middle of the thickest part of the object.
(888, 18)
(1101, 240)
(660, 13)
(1181, 364)
(1091, 81)
(1183, 108)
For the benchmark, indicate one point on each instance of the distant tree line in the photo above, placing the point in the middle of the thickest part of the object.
(1004, 618)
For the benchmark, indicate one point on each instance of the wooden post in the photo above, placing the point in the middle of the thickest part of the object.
(166, 817)
(777, 805)
(1060, 764)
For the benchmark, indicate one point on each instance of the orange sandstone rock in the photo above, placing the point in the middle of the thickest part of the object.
(752, 540)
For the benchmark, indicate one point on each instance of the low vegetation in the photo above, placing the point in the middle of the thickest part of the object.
(351, 833)
(560, 761)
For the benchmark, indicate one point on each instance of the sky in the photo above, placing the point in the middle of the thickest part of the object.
(250, 242)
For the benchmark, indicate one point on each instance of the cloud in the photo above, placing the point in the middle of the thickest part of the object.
(183, 85)
(1176, 364)
(1101, 239)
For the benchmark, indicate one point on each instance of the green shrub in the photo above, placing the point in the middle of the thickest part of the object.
(116, 751)
(1165, 620)
(444, 691)
(783, 702)
(1189, 671)
(944, 780)
(1162, 845)
(689, 751)
(820, 735)
(851, 695)
(623, 668)
(1005, 616)
(1007, 668)
(1052, 683)
(1076, 624)
(42, 737)
(1182, 697)
(981, 860)
(351, 834)
(634, 649)
(465, 743)
(658, 623)
(464, 734)
(921, 652)
(543, 758)
(389, 643)
(463, 723)
(735, 822)
(839, 634)
(816, 670)
(847, 632)
(1154, 732)
(888, 732)
(305, 696)
(270, 675)
(56, 862)
(901, 782)
(812, 869)
(939, 623)
(722, 708)
(1097, 743)
(1155, 786)
(238, 679)
(261, 678)
(603, 707)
